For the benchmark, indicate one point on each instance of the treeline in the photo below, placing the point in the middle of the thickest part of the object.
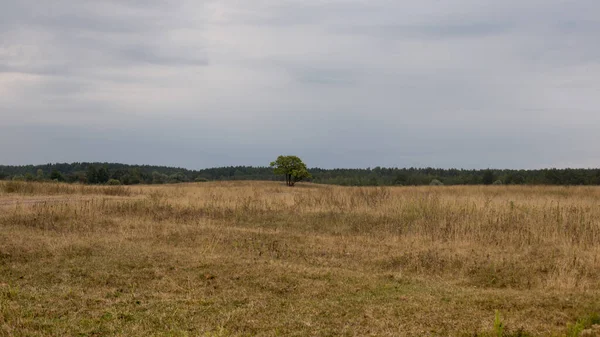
(379, 176)
(111, 173)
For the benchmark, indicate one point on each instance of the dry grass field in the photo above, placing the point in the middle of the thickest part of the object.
(259, 258)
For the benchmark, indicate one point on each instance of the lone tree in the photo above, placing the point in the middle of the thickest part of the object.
(292, 168)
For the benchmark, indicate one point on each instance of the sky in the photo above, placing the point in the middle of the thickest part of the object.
(340, 83)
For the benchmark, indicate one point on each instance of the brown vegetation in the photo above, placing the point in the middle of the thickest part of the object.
(258, 258)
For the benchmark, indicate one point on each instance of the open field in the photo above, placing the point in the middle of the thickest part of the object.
(259, 258)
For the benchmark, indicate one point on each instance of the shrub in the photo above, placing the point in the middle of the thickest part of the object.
(159, 178)
(201, 180)
(56, 176)
(436, 182)
(177, 178)
(498, 182)
(113, 182)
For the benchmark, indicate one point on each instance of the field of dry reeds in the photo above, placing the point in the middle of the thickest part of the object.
(259, 258)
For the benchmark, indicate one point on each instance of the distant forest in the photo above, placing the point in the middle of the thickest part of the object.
(110, 173)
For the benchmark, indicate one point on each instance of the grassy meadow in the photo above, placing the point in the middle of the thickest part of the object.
(260, 258)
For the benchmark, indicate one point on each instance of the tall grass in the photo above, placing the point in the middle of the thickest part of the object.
(526, 250)
(55, 188)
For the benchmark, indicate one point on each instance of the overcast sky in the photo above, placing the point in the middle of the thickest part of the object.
(340, 83)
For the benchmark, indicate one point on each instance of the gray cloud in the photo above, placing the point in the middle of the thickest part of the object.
(341, 83)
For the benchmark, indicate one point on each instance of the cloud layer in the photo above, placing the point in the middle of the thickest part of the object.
(340, 83)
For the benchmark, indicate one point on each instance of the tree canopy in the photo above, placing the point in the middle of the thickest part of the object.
(292, 168)
(90, 173)
(488, 177)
